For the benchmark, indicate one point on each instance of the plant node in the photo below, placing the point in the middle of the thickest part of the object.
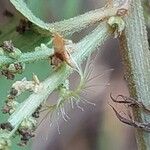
(62, 50)
(118, 24)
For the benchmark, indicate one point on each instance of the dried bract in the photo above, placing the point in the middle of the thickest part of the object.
(62, 51)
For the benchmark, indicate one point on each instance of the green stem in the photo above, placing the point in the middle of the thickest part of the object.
(136, 59)
(43, 52)
(69, 26)
(83, 49)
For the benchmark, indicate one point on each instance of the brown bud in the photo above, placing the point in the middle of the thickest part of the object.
(7, 126)
(8, 46)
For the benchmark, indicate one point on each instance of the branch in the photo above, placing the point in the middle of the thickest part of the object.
(136, 59)
(65, 27)
(40, 53)
(70, 26)
(85, 47)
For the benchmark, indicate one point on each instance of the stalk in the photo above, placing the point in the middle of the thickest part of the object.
(136, 60)
(83, 49)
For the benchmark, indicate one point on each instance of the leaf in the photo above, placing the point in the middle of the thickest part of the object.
(20, 40)
(21, 6)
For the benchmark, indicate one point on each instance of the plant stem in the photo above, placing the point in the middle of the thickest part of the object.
(43, 52)
(136, 59)
(76, 24)
(85, 47)
(69, 26)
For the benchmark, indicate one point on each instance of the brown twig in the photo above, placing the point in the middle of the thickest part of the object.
(131, 102)
(131, 122)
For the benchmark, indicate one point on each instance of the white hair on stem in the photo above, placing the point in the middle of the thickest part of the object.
(73, 98)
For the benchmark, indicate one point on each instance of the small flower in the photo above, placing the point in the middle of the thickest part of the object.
(26, 129)
(16, 68)
(24, 85)
(5, 142)
(6, 126)
(73, 97)
(10, 107)
(15, 54)
(8, 46)
(28, 124)
(37, 112)
(7, 74)
(11, 69)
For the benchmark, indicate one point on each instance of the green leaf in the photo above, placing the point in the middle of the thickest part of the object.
(26, 41)
(21, 6)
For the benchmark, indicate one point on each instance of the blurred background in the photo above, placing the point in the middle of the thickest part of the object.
(95, 128)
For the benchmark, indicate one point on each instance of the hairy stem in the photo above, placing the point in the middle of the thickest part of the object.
(65, 27)
(42, 52)
(83, 49)
(136, 60)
